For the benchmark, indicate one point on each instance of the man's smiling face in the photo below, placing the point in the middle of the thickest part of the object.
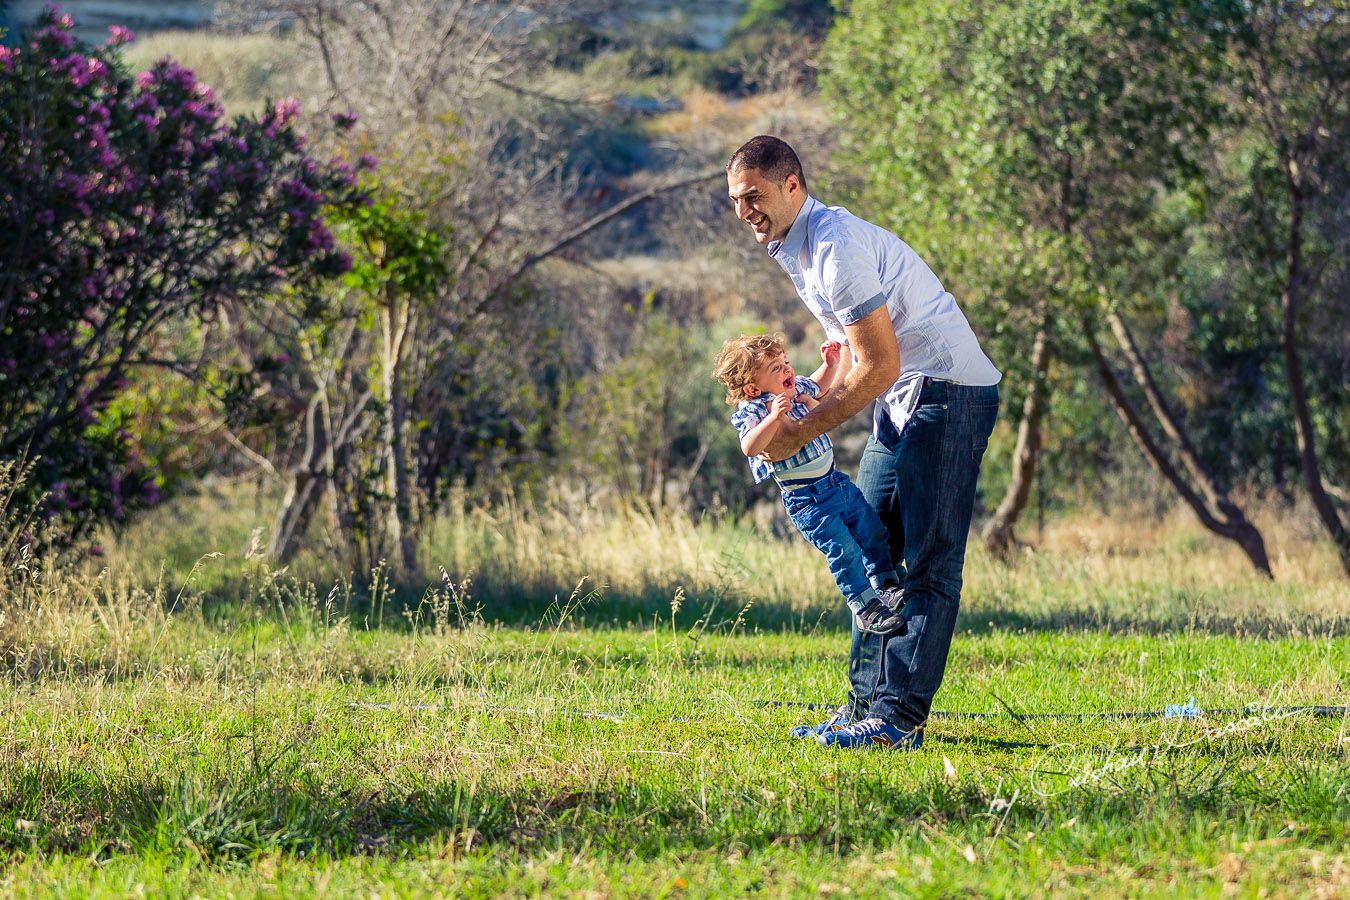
(768, 208)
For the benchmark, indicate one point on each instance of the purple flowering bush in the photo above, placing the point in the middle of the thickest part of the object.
(129, 205)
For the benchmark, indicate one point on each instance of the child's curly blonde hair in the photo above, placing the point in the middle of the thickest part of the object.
(741, 357)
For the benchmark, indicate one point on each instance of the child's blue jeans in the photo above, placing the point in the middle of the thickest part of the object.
(832, 514)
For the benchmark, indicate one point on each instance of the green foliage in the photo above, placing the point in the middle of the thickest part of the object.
(652, 424)
(401, 252)
(1023, 148)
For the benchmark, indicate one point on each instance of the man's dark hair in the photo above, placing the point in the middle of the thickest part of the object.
(772, 157)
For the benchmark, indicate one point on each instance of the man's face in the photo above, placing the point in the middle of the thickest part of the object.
(766, 207)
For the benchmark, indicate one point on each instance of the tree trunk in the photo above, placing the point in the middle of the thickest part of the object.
(1216, 494)
(1226, 522)
(1298, 394)
(398, 524)
(305, 487)
(998, 532)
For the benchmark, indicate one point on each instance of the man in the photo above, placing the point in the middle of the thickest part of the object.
(937, 398)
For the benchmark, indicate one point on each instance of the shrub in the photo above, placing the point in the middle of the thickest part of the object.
(128, 204)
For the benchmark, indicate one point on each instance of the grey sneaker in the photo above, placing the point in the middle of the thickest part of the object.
(893, 597)
(878, 618)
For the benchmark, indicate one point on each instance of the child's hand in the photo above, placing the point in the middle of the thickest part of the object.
(829, 352)
(781, 406)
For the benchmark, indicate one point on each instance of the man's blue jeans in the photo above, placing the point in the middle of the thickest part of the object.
(922, 485)
(833, 515)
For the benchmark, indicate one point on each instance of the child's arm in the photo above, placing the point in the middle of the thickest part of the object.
(756, 439)
(830, 352)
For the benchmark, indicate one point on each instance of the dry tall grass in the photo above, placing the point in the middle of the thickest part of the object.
(1086, 570)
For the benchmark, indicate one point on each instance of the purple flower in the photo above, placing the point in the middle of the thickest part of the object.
(319, 238)
(286, 110)
(77, 68)
(95, 550)
(46, 217)
(119, 35)
(7, 56)
(301, 194)
(58, 37)
(344, 121)
(343, 170)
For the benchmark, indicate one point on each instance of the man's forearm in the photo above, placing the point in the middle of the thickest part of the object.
(875, 368)
(862, 384)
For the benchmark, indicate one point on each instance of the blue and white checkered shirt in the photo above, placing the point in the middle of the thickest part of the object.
(809, 461)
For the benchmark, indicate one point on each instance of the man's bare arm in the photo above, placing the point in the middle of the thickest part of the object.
(877, 368)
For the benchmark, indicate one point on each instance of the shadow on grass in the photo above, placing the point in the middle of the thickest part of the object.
(234, 813)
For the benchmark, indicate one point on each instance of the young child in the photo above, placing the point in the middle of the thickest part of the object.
(827, 508)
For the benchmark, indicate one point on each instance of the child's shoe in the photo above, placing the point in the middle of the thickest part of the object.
(842, 716)
(893, 597)
(878, 618)
(872, 733)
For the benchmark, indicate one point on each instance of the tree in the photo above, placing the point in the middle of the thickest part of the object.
(1039, 137)
(400, 266)
(1291, 61)
(128, 204)
(467, 152)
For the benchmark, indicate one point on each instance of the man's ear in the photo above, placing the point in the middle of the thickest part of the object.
(792, 183)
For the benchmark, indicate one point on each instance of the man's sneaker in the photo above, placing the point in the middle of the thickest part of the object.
(872, 733)
(842, 716)
(878, 618)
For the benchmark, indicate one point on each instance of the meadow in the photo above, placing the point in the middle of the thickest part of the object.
(594, 702)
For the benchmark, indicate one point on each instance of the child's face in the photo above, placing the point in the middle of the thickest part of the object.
(775, 376)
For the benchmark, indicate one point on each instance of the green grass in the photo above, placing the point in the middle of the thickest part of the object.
(253, 737)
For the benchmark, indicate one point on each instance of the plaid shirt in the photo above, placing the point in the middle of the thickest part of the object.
(750, 413)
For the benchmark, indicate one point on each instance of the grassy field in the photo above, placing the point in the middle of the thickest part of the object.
(215, 727)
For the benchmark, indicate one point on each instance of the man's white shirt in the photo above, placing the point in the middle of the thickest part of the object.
(844, 267)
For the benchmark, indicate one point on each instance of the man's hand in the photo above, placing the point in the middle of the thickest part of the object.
(829, 352)
(876, 367)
